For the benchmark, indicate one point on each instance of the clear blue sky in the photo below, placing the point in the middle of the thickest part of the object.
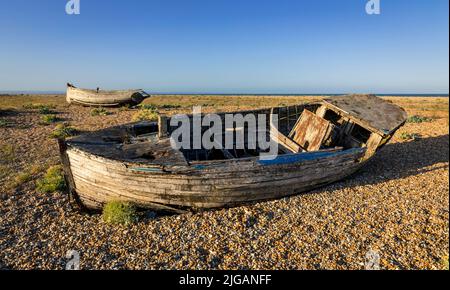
(226, 46)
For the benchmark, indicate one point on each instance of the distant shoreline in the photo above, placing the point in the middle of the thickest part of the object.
(19, 93)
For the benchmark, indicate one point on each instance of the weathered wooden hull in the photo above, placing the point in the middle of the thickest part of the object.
(104, 98)
(97, 180)
(318, 144)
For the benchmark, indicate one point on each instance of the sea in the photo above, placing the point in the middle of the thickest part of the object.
(228, 94)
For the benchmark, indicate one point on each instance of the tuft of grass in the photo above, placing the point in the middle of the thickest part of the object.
(29, 106)
(63, 131)
(52, 181)
(409, 136)
(99, 112)
(42, 109)
(25, 176)
(33, 106)
(150, 107)
(45, 110)
(169, 106)
(418, 119)
(119, 212)
(3, 123)
(48, 119)
(145, 115)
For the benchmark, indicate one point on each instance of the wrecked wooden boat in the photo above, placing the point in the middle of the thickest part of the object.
(318, 143)
(102, 98)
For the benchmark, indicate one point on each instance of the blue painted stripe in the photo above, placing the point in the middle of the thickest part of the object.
(199, 167)
(306, 156)
(147, 169)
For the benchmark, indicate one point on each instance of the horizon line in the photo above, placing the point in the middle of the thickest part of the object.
(43, 92)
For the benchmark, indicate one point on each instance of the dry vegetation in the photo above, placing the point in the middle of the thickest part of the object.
(398, 205)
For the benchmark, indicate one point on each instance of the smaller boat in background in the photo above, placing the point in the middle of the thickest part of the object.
(101, 98)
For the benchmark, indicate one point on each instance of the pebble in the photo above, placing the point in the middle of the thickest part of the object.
(397, 206)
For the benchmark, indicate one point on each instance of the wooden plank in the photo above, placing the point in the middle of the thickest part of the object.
(372, 145)
(285, 188)
(154, 185)
(97, 185)
(310, 131)
(73, 196)
(162, 126)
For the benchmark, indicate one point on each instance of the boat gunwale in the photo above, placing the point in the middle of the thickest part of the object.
(107, 92)
(154, 168)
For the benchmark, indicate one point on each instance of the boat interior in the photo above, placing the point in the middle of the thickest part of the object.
(301, 128)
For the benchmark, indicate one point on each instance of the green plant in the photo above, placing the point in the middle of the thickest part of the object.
(31, 106)
(99, 112)
(28, 106)
(119, 212)
(409, 136)
(147, 107)
(27, 175)
(418, 119)
(63, 131)
(3, 123)
(43, 110)
(48, 119)
(52, 181)
(145, 115)
(169, 106)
